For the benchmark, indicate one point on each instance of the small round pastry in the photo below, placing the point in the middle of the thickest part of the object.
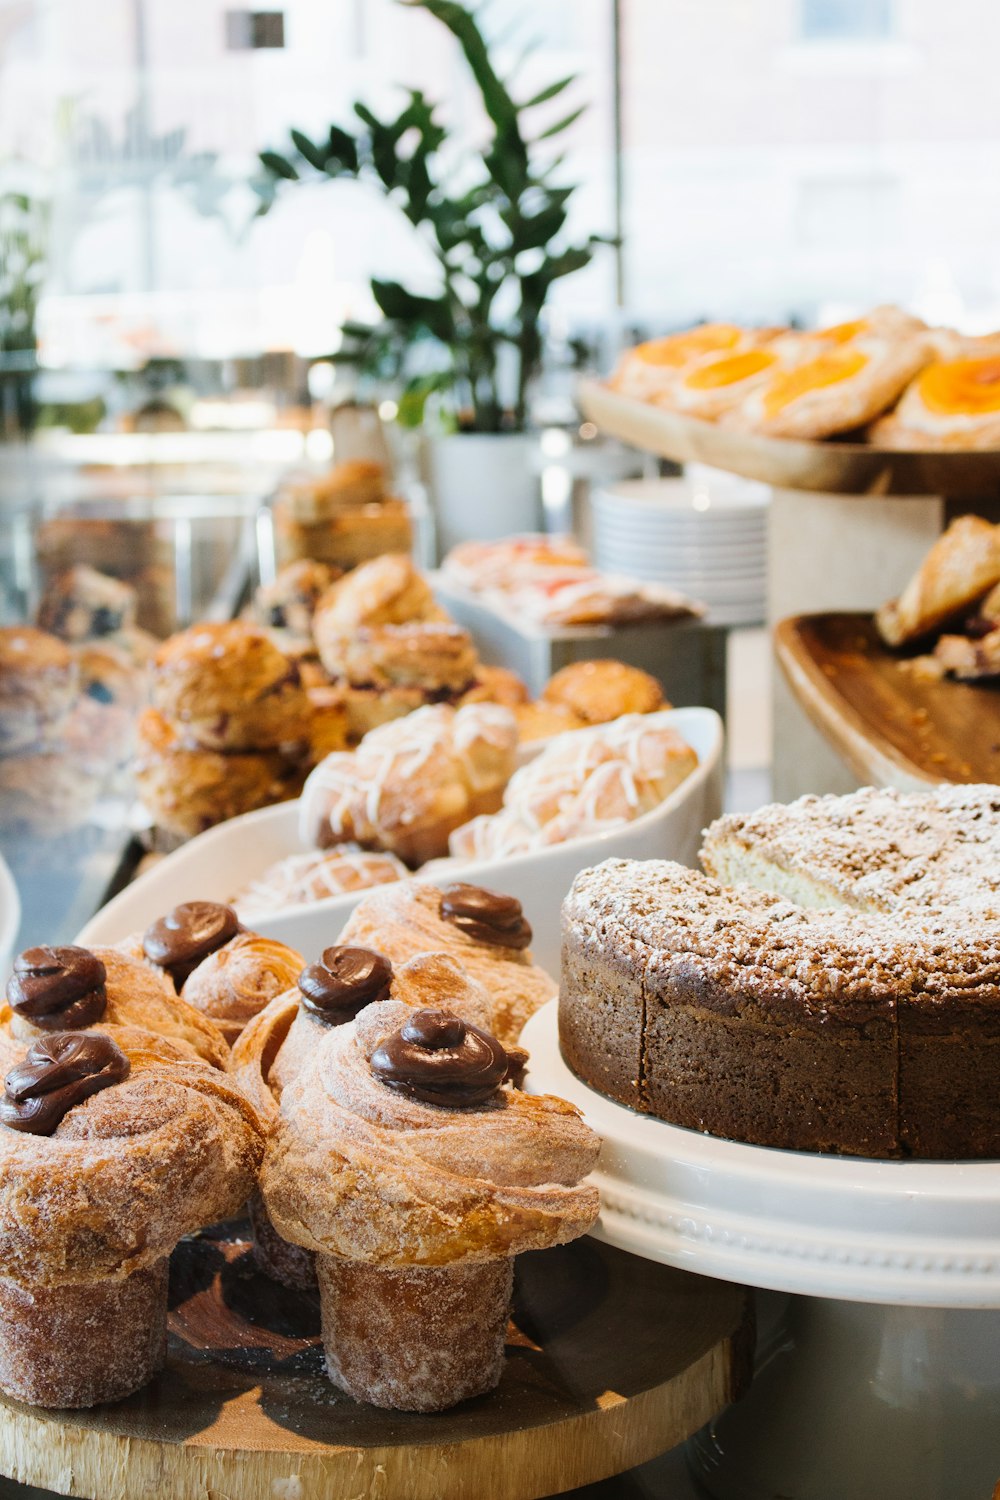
(368, 708)
(175, 944)
(233, 984)
(597, 691)
(386, 591)
(497, 685)
(401, 1158)
(230, 688)
(38, 682)
(435, 657)
(81, 604)
(187, 789)
(300, 879)
(484, 931)
(411, 782)
(118, 1152)
(68, 988)
(542, 720)
(287, 605)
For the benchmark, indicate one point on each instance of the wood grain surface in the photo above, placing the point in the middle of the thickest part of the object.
(834, 466)
(611, 1360)
(892, 726)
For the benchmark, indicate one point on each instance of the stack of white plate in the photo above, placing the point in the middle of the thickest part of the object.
(705, 534)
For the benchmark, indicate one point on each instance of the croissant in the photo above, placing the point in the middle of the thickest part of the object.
(962, 566)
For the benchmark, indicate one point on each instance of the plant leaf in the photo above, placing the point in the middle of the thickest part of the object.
(279, 166)
(551, 92)
(563, 124)
(309, 150)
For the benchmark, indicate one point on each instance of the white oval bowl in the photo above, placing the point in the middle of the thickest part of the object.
(216, 864)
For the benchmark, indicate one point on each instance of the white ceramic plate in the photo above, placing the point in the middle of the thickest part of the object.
(216, 864)
(10, 919)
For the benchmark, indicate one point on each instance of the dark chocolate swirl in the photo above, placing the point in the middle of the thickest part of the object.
(58, 989)
(343, 982)
(58, 1072)
(487, 916)
(438, 1058)
(179, 941)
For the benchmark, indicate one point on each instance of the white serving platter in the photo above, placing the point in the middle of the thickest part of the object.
(216, 864)
(10, 917)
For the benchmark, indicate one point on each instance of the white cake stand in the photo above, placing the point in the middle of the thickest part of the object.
(878, 1368)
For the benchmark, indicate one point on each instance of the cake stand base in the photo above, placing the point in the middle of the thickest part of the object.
(855, 1400)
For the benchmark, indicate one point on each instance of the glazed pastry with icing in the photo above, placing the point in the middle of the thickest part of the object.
(485, 931)
(598, 691)
(581, 785)
(410, 783)
(118, 1152)
(416, 1175)
(101, 989)
(299, 879)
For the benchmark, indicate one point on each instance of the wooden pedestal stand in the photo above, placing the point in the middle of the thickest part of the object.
(611, 1360)
(848, 526)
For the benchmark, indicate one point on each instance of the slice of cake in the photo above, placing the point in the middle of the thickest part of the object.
(874, 851)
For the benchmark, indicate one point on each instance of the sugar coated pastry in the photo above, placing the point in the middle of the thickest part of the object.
(299, 879)
(485, 931)
(230, 688)
(38, 681)
(118, 1152)
(597, 691)
(410, 783)
(403, 1158)
(69, 987)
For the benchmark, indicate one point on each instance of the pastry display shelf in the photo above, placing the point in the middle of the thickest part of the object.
(892, 723)
(879, 1374)
(610, 1362)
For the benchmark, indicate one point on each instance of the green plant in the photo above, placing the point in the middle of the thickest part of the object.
(495, 222)
(23, 235)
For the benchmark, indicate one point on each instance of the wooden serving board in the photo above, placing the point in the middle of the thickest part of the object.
(611, 1360)
(834, 467)
(891, 725)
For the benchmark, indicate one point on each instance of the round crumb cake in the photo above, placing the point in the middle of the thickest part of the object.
(735, 1012)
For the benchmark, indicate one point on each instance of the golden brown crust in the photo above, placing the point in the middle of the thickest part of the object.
(126, 1174)
(356, 482)
(347, 539)
(386, 591)
(953, 404)
(230, 687)
(236, 982)
(598, 691)
(962, 566)
(542, 720)
(187, 790)
(356, 1170)
(81, 604)
(497, 685)
(38, 680)
(435, 657)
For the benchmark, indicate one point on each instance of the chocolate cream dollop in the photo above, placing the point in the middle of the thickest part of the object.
(179, 941)
(59, 1071)
(58, 989)
(343, 982)
(438, 1058)
(485, 915)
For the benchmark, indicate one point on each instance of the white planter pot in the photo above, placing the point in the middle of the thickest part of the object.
(482, 486)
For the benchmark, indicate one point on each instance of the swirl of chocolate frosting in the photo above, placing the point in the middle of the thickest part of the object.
(58, 988)
(488, 916)
(58, 1072)
(344, 981)
(438, 1058)
(179, 941)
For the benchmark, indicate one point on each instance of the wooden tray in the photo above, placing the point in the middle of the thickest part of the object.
(833, 467)
(892, 727)
(611, 1360)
